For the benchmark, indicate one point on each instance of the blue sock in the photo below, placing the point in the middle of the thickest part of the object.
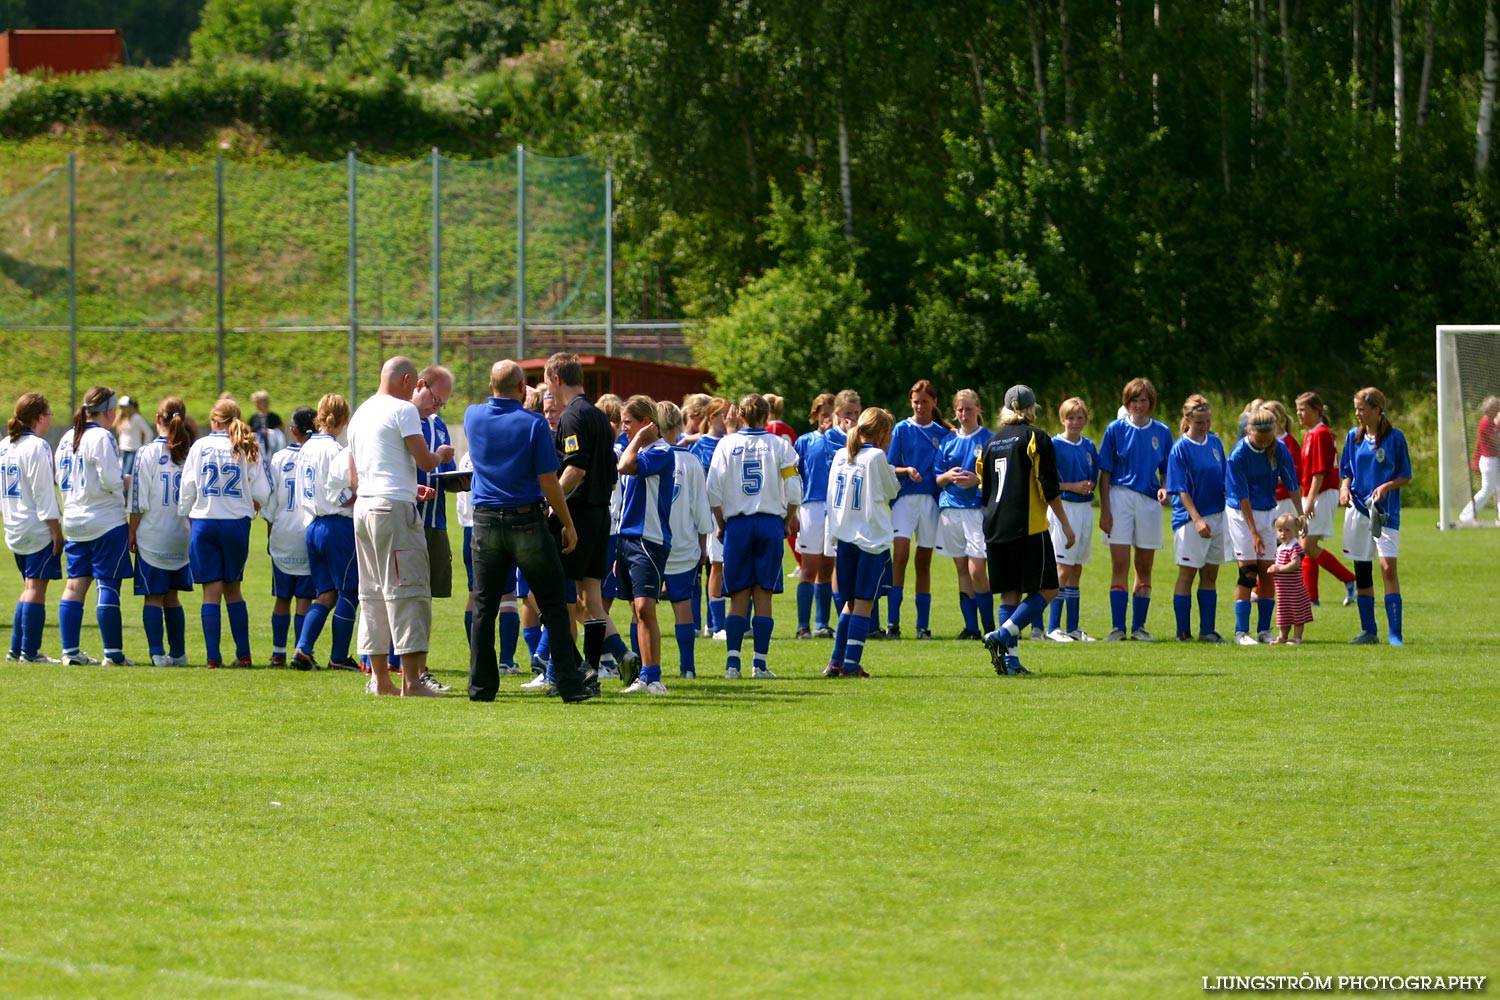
(854, 645)
(1003, 614)
(343, 627)
(1265, 606)
(874, 619)
(804, 604)
(893, 600)
(1208, 611)
(279, 626)
(1119, 600)
(822, 603)
(239, 626)
(687, 639)
(985, 602)
(1139, 604)
(969, 610)
(15, 632)
(510, 633)
(154, 624)
(312, 627)
(716, 614)
(213, 627)
(533, 636)
(297, 622)
(760, 629)
(613, 645)
(544, 645)
(841, 637)
(33, 620)
(924, 611)
(651, 672)
(1182, 606)
(1072, 598)
(176, 619)
(1241, 616)
(70, 624)
(1055, 612)
(735, 627)
(1393, 616)
(107, 613)
(1030, 612)
(635, 639)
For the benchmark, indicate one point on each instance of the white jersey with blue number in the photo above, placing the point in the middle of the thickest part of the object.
(91, 483)
(220, 485)
(161, 535)
(288, 520)
(691, 517)
(860, 494)
(28, 500)
(464, 505)
(754, 472)
(323, 477)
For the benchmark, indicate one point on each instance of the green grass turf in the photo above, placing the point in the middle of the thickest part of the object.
(1131, 819)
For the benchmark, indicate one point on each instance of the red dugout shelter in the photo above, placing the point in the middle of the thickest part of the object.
(26, 49)
(625, 377)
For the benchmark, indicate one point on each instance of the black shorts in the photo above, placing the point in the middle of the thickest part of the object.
(589, 559)
(1025, 565)
(439, 561)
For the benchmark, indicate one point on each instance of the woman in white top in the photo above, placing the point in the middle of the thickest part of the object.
(133, 432)
(159, 537)
(33, 522)
(328, 511)
(223, 488)
(287, 540)
(93, 514)
(861, 488)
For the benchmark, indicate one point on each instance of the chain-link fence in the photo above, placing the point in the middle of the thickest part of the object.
(324, 269)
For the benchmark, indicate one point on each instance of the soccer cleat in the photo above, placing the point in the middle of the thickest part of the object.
(1013, 667)
(999, 643)
(762, 674)
(349, 663)
(637, 686)
(720, 636)
(731, 673)
(1245, 639)
(1037, 634)
(1141, 635)
(160, 660)
(118, 660)
(968, 634)
(215, 665)
(1079, 635)
(507, 668)
(244, 662)
(1349, 593)
(924, 633)
(1184, 637)
(38, 657)
(1116, 635)
(1394, 640)
(656, 687)
(1058, 635)
(1212, 637)
(833, 670)
(803, 632)
(688, 675)
(178, 661)
(630, 668)
(609, 672)
(822, 632)
(538, 665)
(301, 661)
(431, 683)
(892, 632)
(79, 659)
(537, 683)
(278, 659)
(854, 671)
(12, 656)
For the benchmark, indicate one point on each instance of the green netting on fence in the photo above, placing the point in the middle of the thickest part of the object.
(478, 215)
(34, 253)
(565, 239)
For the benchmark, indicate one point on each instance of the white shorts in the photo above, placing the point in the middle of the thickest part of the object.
(1243, 542)
(960, 533)
(812, 528)
(915, 516)
(1081, 520)
(1321, 523)
(1137, 520)
(1287, 506)
(715, 548)
(1194, 551)
(1361, 546)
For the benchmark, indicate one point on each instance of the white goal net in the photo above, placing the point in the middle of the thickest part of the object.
(1468, 373)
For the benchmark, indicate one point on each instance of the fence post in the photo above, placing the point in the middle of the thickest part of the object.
(219, 203)
(437, 257)
(609, 263)
(72, 283)
(353, 287)
(520, 253)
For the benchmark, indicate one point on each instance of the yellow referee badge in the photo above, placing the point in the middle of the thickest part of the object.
(570, 444)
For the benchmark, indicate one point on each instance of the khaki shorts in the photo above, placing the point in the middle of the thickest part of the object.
(395, 584)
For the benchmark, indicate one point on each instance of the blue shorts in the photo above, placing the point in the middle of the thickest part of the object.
(104, 558)
(284, 585)
(217, 549)
(609, 587)
(641, 567)
(330, 554)
(752, 552)
(469, 556)
(869, 571)
(43, 564)
(151, 581)
(680, 586)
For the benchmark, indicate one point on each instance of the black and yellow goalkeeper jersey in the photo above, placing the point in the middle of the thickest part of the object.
(1018, 477)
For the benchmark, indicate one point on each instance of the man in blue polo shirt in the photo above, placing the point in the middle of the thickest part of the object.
(515, 468)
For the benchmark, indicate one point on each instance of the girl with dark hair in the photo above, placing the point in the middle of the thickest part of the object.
(1374, 467)
(1320, 486)
(287, 540)
(33, 528)
(159, 537)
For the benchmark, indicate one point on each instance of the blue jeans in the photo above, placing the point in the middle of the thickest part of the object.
(504, 539)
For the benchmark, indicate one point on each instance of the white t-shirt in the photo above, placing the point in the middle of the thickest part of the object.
(859, 498)
(135, 433)
(288, 542)
(219, 484)
(754, 472)
(321, 464)
(377, 437)
(161, 535)
(27, 497)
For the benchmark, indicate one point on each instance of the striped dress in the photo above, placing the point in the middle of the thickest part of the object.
(1293, 606)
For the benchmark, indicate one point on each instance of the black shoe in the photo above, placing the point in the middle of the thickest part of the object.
(968, 634)
(823, 632)
(803, 632)
(875, 635)
(997, 649)
(893, 631)
(630, 669)
(588, 692)
(924, 633)
(350, 664)
(301, 661)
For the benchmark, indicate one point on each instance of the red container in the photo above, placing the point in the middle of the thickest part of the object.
(625, 377)
(24, 49)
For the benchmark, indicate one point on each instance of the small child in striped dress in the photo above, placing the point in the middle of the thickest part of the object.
(1293, 605)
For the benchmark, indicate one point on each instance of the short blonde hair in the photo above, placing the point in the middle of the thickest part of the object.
(1072, 405)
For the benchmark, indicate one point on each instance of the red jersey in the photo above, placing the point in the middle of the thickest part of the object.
(782, 429)
(1319, 454)
(1290, 440)
(1486, 441)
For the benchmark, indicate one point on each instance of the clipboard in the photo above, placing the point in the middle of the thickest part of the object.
(451, 482)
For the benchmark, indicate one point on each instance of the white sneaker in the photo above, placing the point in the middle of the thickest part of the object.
(1245, 639)
(123, 661)
(40, 657)
(639, 687)
(706, 633)
(1079, 635)
(1115, 635)
(431, 683)
(161, 660)
(731, 673)
(1265, 636)
(79, 659)
(1058, 635)
(656, 687)
(537, 683)
(609, 673)
(178, 661)
(1038, 634)
(763, 674)
(507, 668)
(1141, 635)
(720, 636)
(11, 656)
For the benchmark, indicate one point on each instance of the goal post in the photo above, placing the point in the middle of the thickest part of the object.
(1468, 371)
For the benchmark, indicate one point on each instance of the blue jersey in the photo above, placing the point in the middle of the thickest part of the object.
(703, 450)
(1252, 475)
(1196, 469)
(915, 446)
(815, 453)
(1135, 457)
(435, 512)
(1076, 463)
(647, 508)
(963, 451)
(1366, 465)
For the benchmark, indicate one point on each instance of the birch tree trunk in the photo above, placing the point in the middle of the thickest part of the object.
(1425, 90)
(846, 191)
(980, 96)
(1067, 66)
(1039, 76)
(1155, 73)
(1354, 73)
(1286, 67)
(1398, 77)
(1487, 90)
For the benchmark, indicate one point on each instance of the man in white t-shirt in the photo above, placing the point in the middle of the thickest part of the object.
(386, 447)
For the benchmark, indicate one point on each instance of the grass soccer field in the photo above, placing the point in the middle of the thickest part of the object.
(1130, 820)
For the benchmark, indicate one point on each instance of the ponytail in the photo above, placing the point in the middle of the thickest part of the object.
(226, 413)
(874, 423)
(99, 399)
(172, 414)
(30, 408)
